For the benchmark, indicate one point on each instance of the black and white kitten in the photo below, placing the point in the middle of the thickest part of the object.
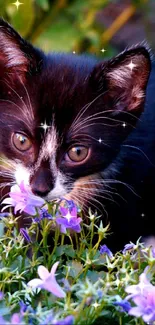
(63, 121)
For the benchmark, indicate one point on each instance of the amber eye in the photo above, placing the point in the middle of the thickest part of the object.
(78, 153)
(21, 142)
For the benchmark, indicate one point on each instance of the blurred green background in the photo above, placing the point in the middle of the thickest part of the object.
(83, 25)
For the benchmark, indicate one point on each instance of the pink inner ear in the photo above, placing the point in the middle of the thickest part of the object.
(11, 54)
(127, 80)
(130, 72)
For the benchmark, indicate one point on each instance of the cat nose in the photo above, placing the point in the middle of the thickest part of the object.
(42, 182)
(40, 192)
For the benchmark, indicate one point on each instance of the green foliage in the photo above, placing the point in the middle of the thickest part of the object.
(61, 25)
(92, 281)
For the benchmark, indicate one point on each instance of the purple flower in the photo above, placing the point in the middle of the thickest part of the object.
(47, 281)
(70, 220)
(153, 252)
(43, 214)
(15, 319)
(25, 235)
(23, 307)
(99, 293)
(69, 204)
(69, 320)
(124, 304)
(22, 199)
(105, 250)
(4, 214)
(128, 247)
(143, 295)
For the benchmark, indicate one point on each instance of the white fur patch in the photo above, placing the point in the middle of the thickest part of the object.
(59, 189)
(49, 147)
(22, 174)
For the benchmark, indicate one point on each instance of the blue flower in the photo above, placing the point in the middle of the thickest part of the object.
(4, 214)
(69, 320)
(43, 214)
(25, 234)
(23, 307)
(105, 250)
(124, 304)
(128, 247)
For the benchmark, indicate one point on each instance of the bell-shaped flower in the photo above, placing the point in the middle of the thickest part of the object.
(22, 199)
(48, 281)
(143, 295)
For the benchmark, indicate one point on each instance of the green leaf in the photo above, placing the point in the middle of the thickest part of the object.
(75, 268)
(69, 251)
(65, 249)
(60, 36)
(43, 4)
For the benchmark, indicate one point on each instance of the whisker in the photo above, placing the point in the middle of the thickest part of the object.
(141, 151)
(28, 116)
(29, 100)
(19, 119)
(85, 107)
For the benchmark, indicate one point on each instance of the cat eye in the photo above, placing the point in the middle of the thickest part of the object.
(21, 142)
(78, 153)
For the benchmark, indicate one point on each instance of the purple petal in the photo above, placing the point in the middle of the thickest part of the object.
(19, 207)
(135, 311)
(69, 320)
(8, 201)
(35, 283)
(30, 210)
(76, 228)
(149, 318)
(53, 269)
(36, 200)
(140, 301)
(63, 211)
(25, 234)
(15, 319)
(128, 247)
(105, 250)
(63, 229)
(74, 211)
(52, 286)
(43, 272)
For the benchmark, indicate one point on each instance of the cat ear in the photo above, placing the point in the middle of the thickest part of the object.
(125, 79)
(16, 55)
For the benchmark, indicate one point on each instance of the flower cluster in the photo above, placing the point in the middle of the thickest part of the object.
(143, 295)
(87, 286)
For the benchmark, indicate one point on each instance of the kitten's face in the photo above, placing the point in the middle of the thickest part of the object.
(63, 118)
